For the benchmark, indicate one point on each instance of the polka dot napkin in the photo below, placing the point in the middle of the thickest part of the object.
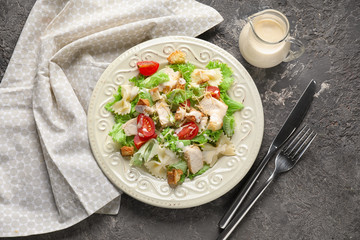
(49, 179)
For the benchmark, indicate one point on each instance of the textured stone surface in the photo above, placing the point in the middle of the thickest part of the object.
(320, 198)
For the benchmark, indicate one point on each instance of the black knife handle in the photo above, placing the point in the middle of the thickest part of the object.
(224, 221)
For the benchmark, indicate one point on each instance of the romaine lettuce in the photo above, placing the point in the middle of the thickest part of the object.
(176, 96)
(207, 136)
(155, 80)
(145, 153)
(137, 80)
(201, 171)
(146, 95)
(122, 118)
(229, 124)
(233, 105)
(117, 97)
(226, 73)
(182, 165)
(171, 140)
(118, 135)
(185, 69)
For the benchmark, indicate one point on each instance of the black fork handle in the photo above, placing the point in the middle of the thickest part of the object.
(240, 215)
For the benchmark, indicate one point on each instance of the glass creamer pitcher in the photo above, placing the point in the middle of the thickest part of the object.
(265, 41)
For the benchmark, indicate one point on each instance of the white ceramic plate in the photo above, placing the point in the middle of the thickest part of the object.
(138, 183)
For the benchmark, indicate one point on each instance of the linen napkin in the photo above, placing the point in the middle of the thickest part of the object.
(49, 179)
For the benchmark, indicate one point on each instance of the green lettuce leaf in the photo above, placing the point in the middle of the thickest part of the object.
(185, 69)
(156, 79)
(145, 153)
(176, 96)
(201, 171)
(117, 97)
(171, 141)
(182, 165)
(226, 73)
(146, 95)
(233, 105)
(194, 93)
(207, 136)
(138, 80)
(229, 124)
(122, 118)
(118, 135)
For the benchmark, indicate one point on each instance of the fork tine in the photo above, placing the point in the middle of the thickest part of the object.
(302, 142)
(305, 145)
(298, 142)
(289, 147)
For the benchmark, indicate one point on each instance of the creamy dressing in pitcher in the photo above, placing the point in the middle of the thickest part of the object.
(263, 44)
(269, 30)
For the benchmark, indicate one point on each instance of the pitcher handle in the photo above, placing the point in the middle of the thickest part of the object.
(293, 54)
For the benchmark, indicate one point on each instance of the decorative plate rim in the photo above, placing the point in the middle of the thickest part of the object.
(113, 172)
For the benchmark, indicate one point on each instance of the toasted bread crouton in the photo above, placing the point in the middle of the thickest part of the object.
(127, 151)
(177, 57)
(174, 176)
(155, 94)
(143, 102)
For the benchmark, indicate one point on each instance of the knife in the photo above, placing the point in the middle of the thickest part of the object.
(291, 124)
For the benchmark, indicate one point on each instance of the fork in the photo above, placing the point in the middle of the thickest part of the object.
(285, 160)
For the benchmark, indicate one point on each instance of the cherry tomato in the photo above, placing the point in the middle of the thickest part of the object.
(139, 141)
(215, 91)
(187, 131)
(147, 68)
(146, 126)
(186, 103)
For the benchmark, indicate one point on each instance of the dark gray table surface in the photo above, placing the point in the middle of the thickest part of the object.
(320, 197)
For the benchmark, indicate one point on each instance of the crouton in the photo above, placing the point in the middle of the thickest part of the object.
(177, 57)
(145, 102)
(127, 151)
(174, 176)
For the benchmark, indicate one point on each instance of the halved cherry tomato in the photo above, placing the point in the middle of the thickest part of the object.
(147, 68)
(146, 126)
(186, 103)
(215, 91)
(187, 131)
(139, 141)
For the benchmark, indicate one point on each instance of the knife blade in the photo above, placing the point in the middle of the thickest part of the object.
(292, 122)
